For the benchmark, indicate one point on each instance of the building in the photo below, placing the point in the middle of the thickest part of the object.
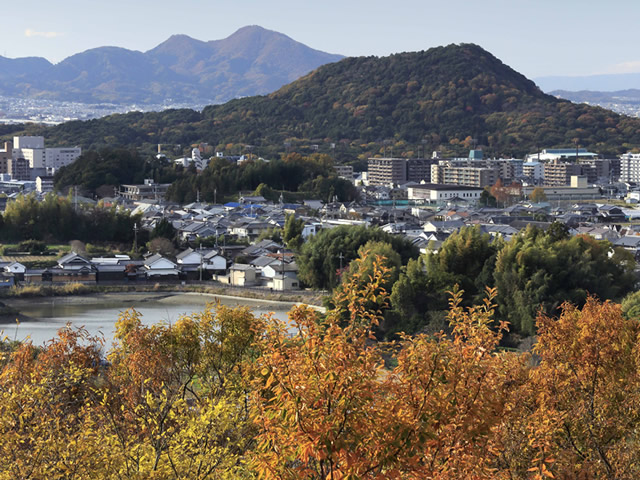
(461, 173)
(387, 171)
(44, 184)
(419, 169)
(439, 193)
(147, 191)
(560, 154)
(38, 157)
(5, 157)
(577, 190)
(19, 169)
(344, 171)
(558, 174)
(630, 167)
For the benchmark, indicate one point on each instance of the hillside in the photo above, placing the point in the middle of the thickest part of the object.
(441, 99)
(251, 61)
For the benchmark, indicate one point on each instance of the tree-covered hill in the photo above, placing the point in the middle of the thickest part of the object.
(441, 98)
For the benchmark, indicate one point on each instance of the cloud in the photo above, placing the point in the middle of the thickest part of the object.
(34, 33)
(632, 66)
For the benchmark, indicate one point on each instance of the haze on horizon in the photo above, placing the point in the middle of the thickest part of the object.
(537, 38)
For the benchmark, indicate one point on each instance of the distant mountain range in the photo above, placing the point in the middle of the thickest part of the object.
(446, 98)
(252, 61)
(600, 83)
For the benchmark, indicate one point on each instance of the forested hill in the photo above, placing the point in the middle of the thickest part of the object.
(441, 98)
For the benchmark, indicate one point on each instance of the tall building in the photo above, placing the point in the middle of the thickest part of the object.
(386, 171)
(419, 169)
(630, 167)
(5, 157)
(472, 173)
(558, 174)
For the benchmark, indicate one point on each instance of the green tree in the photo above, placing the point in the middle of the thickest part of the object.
(322, 255)
(292, 233)
(164, 229)
(535, 271)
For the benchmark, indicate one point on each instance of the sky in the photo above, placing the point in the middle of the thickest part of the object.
(535, 37)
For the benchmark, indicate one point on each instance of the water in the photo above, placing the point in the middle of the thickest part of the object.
(42, 318)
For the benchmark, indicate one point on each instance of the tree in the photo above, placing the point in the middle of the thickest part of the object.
(322, 255)
(162, 245)
(327, 408)
(164, 229)
(537, 271)
(292, 233)
(538, 195)
(581, 406)
(487, 200)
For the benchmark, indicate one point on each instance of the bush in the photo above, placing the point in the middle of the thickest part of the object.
(34, 247)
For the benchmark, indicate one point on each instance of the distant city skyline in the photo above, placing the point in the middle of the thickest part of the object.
(537, 38)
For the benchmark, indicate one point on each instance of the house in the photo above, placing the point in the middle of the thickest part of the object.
(156, 266)
(242, 275)
(287, 282)
(14, 268)
(192, 261)
(71, 268)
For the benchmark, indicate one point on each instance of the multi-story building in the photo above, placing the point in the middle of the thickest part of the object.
(147, 191)
(19, 169)
(459, 173)
(558, 174)
(44, 184)
(5, 157)
(387, 171)
(419, 169)
(533, 171)
(39, 158)
(344, 171)
(630, 167)
(438, 193)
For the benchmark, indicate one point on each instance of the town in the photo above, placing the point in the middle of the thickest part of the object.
(423, 200)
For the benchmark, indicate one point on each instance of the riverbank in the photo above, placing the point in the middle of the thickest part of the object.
(82, 289)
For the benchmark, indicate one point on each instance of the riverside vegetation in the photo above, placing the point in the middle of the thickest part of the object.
(226, 395)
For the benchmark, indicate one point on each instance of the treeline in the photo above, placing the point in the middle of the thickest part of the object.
(225, 395)
(447, 98)
(534, 271)
(109, 168)
(295, 175)
(58, 219)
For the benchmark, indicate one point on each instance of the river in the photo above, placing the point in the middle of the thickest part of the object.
(41, 318)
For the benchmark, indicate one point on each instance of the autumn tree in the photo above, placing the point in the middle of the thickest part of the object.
(538, 195)
(327, 407)
(580, 409)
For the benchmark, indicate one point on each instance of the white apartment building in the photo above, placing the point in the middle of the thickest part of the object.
(630, 167)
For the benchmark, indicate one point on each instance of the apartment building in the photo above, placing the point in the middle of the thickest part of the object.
(630, 167)
(558, 174)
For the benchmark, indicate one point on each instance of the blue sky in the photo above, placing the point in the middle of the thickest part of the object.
(536, 37)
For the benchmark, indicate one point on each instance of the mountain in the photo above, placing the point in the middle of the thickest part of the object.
(603, 83)
(440, 99)
(252, 61)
